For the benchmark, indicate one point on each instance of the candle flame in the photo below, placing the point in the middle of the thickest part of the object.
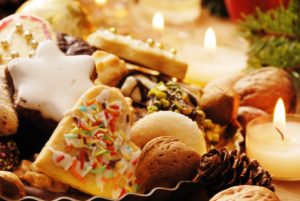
(210, 41)
(158, 22)
(279, 119)
(101, 2)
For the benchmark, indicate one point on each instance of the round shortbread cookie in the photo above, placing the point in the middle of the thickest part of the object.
(20, 35)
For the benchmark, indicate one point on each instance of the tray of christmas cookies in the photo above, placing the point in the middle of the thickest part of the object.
(109, 117)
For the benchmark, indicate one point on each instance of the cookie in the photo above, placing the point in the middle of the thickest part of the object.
(8, 117)
(138, 82)
(139, 52)
(20, 35)
(73, 46)
(90, 149)
(66, 16)
(9, 154)
(110, 69)
(166, 123)
(164, 162)
(32, 175)
(51, 82)
(11, 186)
(245, 193)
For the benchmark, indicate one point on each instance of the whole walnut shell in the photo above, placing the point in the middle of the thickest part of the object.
(164, 162)
(245, 193)
(262, 88)
(219, 103)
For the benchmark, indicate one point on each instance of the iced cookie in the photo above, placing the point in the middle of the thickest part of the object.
(137, 51)
(50, 82)
(20, 35)
(66, 16)
(90, 149)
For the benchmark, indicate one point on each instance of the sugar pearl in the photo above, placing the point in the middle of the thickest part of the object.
(4, 43)
(34, 44)
(19, 27)
(28, 35)
(14, 54)
(150, 42)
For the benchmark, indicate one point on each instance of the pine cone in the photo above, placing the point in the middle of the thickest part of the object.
(221, 169)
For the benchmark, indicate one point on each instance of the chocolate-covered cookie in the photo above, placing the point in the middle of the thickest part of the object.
(73, 46)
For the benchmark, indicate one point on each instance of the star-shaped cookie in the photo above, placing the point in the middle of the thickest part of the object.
(51, 82)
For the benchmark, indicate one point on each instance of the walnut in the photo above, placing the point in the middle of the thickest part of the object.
(219, 103)
(262, 88)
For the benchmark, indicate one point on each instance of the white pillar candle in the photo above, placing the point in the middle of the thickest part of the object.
(281, 157)
(207, 62)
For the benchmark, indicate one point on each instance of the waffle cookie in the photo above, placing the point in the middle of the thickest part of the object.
(139, 52)
(90, 149)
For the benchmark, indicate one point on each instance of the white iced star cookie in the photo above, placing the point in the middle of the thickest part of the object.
(50, 82)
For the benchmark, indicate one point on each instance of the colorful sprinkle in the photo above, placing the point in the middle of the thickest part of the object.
(98, 146)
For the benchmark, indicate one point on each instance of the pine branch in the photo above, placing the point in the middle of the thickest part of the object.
(274, 37)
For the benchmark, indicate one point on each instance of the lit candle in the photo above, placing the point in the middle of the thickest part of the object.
(210, 41)
(101, 2)
(158, 24)
(175, 12)
(211, 61)
(276, 145)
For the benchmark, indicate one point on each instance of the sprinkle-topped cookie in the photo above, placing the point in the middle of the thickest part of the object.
(50, 82)
(90, 150)
(20, 35)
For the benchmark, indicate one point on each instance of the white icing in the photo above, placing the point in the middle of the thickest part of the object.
(51, 82)
(77, 143)
(65, 163)
(103, 97)
(85, 170)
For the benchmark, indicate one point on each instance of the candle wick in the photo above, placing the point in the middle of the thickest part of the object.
(280, 132)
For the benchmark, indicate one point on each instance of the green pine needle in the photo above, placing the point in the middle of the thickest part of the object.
(274, 37)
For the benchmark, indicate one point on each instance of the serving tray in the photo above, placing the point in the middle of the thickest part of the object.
(184, 190)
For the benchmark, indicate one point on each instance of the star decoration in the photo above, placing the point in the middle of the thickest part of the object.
(51, 82)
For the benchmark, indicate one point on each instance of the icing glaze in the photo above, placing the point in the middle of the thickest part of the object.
(96, 144)
(21, 34)
(50, 82)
